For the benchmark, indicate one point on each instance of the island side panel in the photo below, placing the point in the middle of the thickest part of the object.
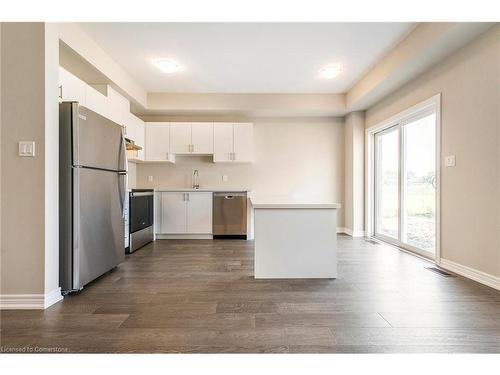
(295, 243)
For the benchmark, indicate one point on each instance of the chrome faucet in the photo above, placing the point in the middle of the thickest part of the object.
(196, 183)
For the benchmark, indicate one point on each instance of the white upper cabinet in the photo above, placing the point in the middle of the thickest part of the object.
(157, 145)
(223, 142)
(134, 130)
(119, 106)
(161, 141)
(180, 137)
(233, 142)
(192, 138)
(71, 88)
(96, 101)
(202, 138)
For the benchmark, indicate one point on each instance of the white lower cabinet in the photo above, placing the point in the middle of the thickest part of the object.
(173, 213)
(199, 213)
(185, 213)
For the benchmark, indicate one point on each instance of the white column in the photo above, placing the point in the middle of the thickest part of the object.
(354, 173)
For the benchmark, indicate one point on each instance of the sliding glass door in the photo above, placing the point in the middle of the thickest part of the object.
(405, 183)
(387, 183)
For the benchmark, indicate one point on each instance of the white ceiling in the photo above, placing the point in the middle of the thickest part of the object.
(247, 57)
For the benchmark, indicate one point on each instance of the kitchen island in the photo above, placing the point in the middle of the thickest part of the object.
(294, 239)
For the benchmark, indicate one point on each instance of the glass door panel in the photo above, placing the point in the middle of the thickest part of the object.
(387, 183)
(419, 184)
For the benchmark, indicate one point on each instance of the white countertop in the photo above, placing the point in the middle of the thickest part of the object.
(238, 190)
(290, 203)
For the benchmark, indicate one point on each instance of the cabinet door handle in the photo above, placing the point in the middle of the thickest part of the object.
(60, 91)
(234, 156)
(192, 147)
(187, 195)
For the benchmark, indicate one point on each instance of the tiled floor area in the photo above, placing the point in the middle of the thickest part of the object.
(200, 296)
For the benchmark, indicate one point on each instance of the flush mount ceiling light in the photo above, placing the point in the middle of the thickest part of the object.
(331, 71)
(167, 66)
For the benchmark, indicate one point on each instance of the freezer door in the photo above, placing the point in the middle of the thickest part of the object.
(97, 141)
(98, 223)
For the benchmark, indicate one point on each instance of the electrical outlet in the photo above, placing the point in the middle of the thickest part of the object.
(150, 178)
(449, 161)
(224, 178)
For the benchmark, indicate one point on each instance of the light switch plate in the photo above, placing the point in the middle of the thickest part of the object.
(150, 178)
(449, 161)
(27, 148)
(224, 178)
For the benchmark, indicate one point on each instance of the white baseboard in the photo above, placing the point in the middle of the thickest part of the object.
(22, 301)
(30, 301)
(184, 236)
(350, 232)
(354, 233)
(479, 276)
(52, 297)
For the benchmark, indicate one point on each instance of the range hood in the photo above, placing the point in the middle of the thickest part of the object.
(131, 146)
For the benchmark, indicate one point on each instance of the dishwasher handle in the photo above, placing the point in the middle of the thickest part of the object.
(229, 195)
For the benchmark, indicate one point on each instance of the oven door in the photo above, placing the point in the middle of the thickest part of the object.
(141, 210)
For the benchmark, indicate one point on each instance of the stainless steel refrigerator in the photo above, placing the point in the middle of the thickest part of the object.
(92, 193)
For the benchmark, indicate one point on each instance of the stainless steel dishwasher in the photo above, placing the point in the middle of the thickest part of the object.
(230, 215)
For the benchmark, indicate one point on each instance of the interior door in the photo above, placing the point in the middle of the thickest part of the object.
(243, 142)
(99, 226)
(180, 138)
(387, 193)
(223, 142)
(173, 212)
(199, 212)
(202, 137)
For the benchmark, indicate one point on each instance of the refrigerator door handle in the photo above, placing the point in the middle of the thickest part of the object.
(122, 158)
(122, 190)
(123, 168)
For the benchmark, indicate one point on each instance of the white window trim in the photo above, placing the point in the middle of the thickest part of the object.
(431, 103)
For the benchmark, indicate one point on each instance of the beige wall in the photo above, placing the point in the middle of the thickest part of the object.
(302, 157)
(354, 173)
(132, 175)
(23, 179)
(469, 82)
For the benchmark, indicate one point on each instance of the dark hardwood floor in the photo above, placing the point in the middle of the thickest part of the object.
(200, 297)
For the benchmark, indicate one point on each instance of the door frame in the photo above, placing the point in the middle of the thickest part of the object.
(433, 103)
